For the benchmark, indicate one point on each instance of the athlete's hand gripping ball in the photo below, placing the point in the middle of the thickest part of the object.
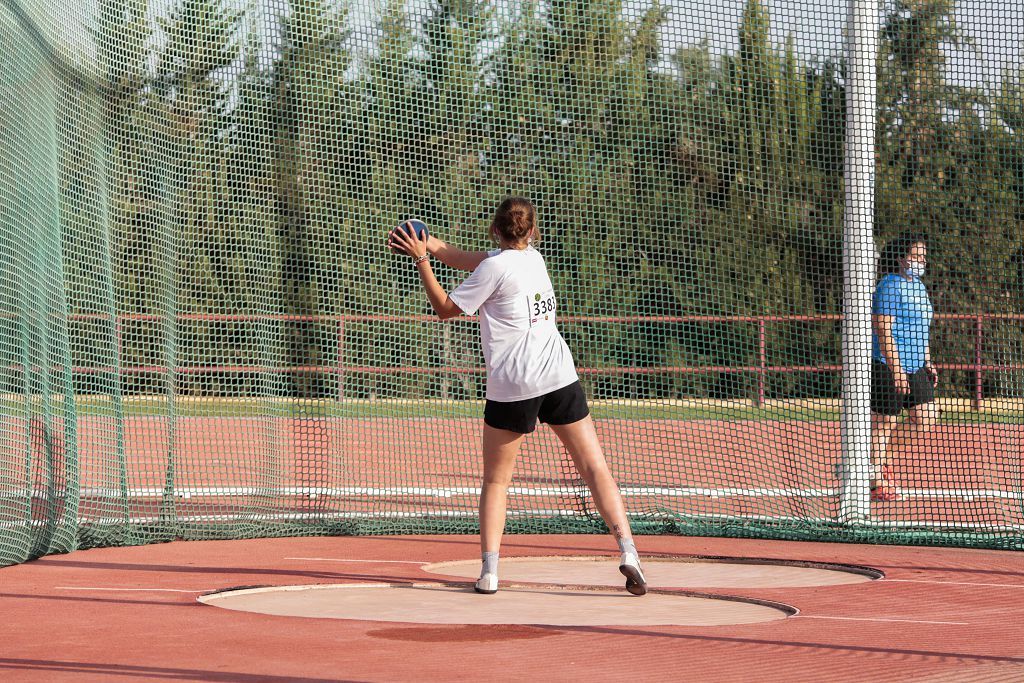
(410, 237)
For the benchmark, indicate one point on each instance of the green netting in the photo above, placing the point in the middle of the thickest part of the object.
(202, 334)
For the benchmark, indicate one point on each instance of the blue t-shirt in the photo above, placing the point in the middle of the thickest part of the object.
(908, 303)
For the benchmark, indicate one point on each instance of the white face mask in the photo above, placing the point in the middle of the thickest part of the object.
(916, 268)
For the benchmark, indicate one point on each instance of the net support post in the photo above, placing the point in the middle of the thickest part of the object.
(858, 258)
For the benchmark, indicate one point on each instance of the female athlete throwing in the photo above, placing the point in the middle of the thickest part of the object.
(530, 372)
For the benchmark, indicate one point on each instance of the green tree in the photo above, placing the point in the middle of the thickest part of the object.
(190, 106)
(756, 131)
(941, 175)
(248, 268)
(128, 134)
(370, 284)
(308, 106)
(452, 89)
(1007, 131)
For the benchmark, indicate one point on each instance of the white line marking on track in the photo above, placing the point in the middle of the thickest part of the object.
(341, 559)
(124, 590)
(462, 514)
(566, 489)
(956, 583)
(898, 621)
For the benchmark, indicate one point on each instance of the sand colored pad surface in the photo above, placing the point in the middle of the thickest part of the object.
(131, 613)
(665, 573)
(441, 604)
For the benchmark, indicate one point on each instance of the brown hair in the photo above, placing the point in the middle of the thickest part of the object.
(515, 220)
(897, 250)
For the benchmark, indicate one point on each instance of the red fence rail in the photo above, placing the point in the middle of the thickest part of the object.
(760, 370)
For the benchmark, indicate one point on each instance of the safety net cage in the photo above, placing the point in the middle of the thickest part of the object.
(203, 334)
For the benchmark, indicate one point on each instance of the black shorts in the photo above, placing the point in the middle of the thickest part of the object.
(559, 407)
(885, 400)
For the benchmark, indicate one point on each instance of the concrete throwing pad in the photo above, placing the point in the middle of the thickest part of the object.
(445, 604)
(665, 572)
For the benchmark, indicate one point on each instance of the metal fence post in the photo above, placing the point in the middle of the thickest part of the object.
(979, 324)
(762, 360)
(341, 359)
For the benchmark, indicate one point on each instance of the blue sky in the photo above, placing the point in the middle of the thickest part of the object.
(996, 27)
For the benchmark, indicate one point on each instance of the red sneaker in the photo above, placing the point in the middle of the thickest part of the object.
(884, 492)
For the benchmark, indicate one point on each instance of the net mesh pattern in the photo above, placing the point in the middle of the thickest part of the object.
(202, 334)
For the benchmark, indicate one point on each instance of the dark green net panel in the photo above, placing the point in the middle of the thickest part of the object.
(202, 334)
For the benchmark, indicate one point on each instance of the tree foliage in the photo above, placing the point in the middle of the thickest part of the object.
(257, 173)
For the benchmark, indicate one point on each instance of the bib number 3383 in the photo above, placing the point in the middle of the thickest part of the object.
(542, 308)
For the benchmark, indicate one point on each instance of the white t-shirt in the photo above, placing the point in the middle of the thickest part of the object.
(526, 356)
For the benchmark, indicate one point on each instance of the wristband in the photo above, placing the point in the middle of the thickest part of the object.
(420, 259)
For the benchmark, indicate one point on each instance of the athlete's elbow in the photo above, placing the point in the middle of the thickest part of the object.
(447, 311)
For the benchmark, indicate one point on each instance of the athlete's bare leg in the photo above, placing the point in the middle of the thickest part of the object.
(580, 439)
(500, 448)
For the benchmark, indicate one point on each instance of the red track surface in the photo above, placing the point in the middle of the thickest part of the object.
(939, 615)
(439, 454)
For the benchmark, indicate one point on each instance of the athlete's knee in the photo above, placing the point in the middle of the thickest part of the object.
(597, 475)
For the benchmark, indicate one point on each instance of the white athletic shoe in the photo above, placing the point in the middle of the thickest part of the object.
(629, 566)
(487, 584)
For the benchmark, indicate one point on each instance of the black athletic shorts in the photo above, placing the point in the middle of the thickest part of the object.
(885, 400)
(560, 407)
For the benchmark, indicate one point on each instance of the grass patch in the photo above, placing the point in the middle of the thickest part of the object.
(803, 411)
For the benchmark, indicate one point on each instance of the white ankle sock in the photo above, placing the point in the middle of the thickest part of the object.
(490, 563)
(626, 545)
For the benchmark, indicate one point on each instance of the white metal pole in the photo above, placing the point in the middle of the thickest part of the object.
(858, 258)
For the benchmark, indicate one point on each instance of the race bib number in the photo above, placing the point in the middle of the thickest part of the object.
(542, 308)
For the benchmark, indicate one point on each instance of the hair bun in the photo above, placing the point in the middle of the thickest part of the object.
(522, 224)
(515, 220)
